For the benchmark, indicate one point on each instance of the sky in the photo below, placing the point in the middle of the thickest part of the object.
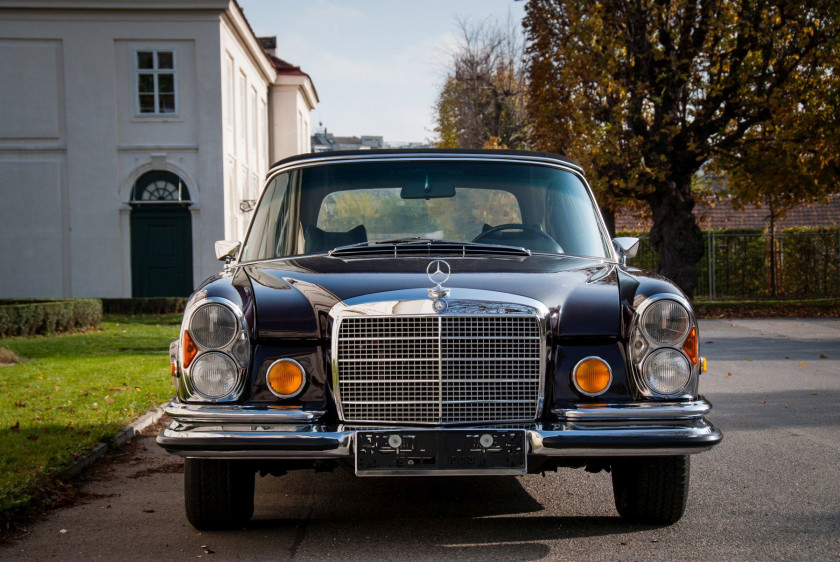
(377, 64)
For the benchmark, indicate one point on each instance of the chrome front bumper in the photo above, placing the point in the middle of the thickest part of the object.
(587, 430)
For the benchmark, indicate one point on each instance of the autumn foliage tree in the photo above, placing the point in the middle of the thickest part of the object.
(482, 101)
(646, 93)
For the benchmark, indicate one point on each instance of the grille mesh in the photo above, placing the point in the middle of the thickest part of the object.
(439, 369)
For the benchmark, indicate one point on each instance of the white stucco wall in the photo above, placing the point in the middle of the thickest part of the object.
(245, 94)
(292, 100)
(72, 143)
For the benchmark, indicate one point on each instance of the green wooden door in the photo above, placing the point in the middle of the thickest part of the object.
(161, 251)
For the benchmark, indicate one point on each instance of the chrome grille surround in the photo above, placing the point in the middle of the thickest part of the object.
(403, 362)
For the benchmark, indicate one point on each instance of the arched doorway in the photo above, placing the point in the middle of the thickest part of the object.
(161, 236)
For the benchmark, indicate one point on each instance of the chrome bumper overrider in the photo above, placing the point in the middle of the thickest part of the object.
(587, 430)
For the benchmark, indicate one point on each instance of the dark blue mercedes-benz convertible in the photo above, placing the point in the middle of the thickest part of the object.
(434, 312)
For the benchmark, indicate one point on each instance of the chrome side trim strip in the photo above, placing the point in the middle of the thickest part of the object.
(635, 411)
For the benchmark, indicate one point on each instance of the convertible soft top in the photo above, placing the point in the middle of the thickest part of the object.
(425, 151)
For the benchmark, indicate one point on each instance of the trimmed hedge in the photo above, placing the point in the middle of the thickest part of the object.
(28, 317)
(152, 305)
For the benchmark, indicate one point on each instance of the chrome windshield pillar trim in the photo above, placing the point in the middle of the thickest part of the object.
(210, 413)
(635, 411)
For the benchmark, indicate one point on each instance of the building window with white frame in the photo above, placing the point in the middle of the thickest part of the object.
(241, 113)
(252, 127)
(155, 82)
(228, 78)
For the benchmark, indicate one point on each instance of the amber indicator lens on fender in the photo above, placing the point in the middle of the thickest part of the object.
(592, 376)
(188, 349)
(285, 378)
(690, 345)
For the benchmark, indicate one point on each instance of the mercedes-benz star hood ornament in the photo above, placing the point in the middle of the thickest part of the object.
(438, 272)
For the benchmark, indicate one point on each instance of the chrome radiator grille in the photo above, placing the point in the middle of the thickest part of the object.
(439, 369)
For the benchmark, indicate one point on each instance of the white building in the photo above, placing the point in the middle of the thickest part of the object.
(133, 135)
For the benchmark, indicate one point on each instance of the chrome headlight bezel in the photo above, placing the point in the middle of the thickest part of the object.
(237, 349)
(640, 347)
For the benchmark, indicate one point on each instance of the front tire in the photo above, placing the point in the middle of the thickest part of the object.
(651, 490)
(218, 494)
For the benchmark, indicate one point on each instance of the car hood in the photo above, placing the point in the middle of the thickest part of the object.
(293, 296)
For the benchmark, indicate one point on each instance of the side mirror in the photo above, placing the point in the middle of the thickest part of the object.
(226, 250)
(626, 247)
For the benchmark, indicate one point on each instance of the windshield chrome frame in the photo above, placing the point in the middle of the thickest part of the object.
(570, 167)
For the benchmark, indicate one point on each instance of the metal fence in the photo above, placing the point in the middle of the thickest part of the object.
(797, 262)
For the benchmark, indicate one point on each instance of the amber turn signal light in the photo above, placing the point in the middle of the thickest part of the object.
(592, 376)
(188, 349)
(285, 378)
(690, 345)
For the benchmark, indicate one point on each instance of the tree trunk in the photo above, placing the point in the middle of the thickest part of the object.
(772, 252)
(675, 235)
(609, 220)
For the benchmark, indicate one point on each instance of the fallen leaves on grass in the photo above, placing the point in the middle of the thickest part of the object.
(8, 357)
(19, 404)
(15, 427)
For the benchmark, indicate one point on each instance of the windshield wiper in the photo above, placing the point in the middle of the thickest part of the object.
(421, 240)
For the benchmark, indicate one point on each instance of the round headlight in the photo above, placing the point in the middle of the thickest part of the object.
(214, 375)
(213, 326)
(666, 371)
(666, 322)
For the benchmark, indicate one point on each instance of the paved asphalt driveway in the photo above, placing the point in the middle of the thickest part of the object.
(771, 490)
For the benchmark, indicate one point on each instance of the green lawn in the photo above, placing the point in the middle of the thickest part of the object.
(74, 390)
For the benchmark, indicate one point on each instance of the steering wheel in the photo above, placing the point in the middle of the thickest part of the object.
(495, 234)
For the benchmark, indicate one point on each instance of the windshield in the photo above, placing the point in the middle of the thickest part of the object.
(318, 209)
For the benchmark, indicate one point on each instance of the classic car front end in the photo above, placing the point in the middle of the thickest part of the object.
(434, 313)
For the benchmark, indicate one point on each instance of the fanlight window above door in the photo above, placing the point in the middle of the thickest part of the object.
(160, 187)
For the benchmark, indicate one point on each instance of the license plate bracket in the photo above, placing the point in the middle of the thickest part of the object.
(441, 452)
